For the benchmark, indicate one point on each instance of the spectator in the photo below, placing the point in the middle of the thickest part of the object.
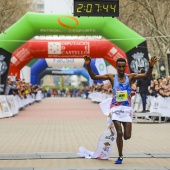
(49, 93)
(143, 85)
(156, 90)
(10, 87)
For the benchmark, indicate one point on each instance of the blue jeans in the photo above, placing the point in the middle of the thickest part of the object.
(143, 96)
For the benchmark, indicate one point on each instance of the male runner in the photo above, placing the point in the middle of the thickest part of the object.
(121, 102)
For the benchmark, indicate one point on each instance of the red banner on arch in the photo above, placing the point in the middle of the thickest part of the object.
(64, 49)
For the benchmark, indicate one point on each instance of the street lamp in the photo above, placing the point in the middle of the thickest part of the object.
(162, 68)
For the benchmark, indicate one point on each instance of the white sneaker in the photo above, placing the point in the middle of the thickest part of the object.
(147, 118)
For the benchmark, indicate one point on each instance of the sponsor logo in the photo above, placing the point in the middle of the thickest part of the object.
(107, 137)
(75, 20)
(64, 60)
(101, 155)
(3, 65)
(110, 137)
(63, 48)
(14, 59)
(22, 54)
(118, 112)
(138, 62)
(107, 144)
(101, 67)
(62, 72)
(54, 47)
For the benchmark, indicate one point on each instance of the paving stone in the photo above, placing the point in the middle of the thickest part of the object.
(49, 133)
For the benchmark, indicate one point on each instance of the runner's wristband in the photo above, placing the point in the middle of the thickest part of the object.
(151, 67)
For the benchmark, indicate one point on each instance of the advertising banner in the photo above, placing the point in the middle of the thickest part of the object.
(68, 48)
(5, 110)
(138, 58)
(64, 52)
(4, 67)
(160, 105)
(12, 104)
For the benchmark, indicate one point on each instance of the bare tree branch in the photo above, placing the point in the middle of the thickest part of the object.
(150, 18)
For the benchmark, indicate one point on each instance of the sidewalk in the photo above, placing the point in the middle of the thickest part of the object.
(47, 136)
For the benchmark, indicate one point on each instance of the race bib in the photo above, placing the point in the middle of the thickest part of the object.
(121, 96)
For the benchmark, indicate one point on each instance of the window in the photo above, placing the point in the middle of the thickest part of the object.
(40, 6)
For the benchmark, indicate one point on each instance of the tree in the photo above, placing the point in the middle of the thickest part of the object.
(151, 19)
(13, 10)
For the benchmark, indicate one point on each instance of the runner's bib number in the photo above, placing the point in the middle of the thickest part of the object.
(121, 96)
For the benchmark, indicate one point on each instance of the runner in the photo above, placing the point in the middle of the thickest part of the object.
(121, 102)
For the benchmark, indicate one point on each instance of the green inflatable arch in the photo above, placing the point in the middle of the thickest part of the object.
(33, 24)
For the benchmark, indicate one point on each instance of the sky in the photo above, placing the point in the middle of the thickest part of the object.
(58, 6)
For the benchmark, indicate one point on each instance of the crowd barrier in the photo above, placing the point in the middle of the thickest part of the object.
(10, 105)
(156, 106)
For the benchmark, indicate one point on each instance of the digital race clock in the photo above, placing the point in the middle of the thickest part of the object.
(96, 8)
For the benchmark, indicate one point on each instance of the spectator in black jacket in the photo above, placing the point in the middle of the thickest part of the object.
(156, 90)
(143, 85)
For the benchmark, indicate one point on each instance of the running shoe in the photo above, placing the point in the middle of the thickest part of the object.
(119, 160)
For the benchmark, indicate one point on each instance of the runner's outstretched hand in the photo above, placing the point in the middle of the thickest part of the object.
(152, 61)
(87, 60)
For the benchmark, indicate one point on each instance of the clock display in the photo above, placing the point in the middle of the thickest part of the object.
(96, 8)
